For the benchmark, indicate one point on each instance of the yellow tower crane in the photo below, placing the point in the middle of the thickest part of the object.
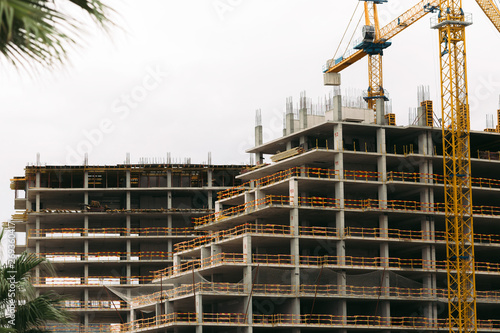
(451, 22)
(375, 51)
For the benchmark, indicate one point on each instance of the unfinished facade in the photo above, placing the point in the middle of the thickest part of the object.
(343, 231)
(110, 225)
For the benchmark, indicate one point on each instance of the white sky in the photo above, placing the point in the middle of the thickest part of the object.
(220, 66)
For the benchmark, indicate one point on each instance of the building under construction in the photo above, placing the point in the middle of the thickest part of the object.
(343, 230)
(110, 226)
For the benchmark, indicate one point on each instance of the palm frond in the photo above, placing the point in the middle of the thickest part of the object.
(42, 30)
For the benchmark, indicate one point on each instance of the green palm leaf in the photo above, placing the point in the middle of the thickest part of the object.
(32, 312)
(42, 30)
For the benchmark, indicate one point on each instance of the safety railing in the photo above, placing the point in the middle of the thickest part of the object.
(486, 210)
(413, 177)
(393, 205)
(399, 234)
(485, 182)
(392, 176)
(225, 318)
(56, 257)
(126, 211)
(72, 305)
(413, 235)
(362, 175)
(234, 191)
(177, 269)
(273, 259)
(351, 204)
(270, 200)
(317, 202)
(398, 263)
(81, 328)
(218, 259)
(273, 289)
(304, 290)
(189, 289)
(318, 231)
(366, 204)
(280, 176)
(244, 229)
(113, 232)
(163, 320)
(223, 258)
(91, 280)
(347, 321)
(186, 319)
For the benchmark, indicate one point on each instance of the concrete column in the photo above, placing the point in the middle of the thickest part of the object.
(128, 204)
(421, 116)
(86, 272)
(247, 248)
(338, 140)
(303, 119)
(199, 312)
(215, 249)
(380, 105)
(339, 193)
(337, 108)
(169, 200)
(177, 260)
(86, 179)
(303, 142)
(37, 205)
(259, 140)
(169, 224)
(205, 252)
(210, 199)
(37, 184)
(248, 277)
(169, 178)
(382, 167)
(293, 190)
(210, 176)
(290, 123)
(127, 179)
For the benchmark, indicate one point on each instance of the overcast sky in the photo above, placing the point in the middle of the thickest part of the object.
(187, 76)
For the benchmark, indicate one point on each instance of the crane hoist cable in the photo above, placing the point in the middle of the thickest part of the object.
(355, 30)
(345, 32)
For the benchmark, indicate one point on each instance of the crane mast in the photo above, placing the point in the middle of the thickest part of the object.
(375, 77)
(451, 23)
